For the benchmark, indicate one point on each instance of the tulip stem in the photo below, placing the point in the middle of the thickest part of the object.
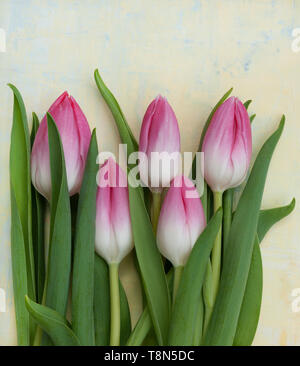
(114, 304)
(177, 277)
(156, 205)
(217, 251)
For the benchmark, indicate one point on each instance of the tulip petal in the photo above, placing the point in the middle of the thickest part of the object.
(181, 221)
(113, 225)
(75, 136)
(227, 146)
(159, 140)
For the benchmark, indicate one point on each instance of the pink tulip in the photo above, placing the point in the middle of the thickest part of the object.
(227, 146)
(113, 224)
(159, 145)
(181, 221)
(75, 136)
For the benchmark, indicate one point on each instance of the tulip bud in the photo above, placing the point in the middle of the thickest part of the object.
(113, 224)
(181, 221)
(159, 145)
(227, 146)
(75, 136)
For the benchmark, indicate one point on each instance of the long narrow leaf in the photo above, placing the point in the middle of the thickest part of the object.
(38, 217)
(199, 322)
(250, 309)
(182, 325)
(55, 325)
(19, 274)
(59, 259)
(125, 317)
(101, 302)
(151, 266)
(20, 183)
(237, 259)
(249, 314)
(84, 248)
(144, 324)
(125, 132)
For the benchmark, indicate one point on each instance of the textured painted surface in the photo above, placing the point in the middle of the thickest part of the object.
(191, 52)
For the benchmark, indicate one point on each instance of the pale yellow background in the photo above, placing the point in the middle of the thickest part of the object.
(190, 51)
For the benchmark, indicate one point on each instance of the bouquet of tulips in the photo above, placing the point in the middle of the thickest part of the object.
(196, 246)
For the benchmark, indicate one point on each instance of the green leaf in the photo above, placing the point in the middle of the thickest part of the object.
(84, 248)
(151, 266)
(125, 132)
(20, 184)
(267, 218)
(38, 217)
(19, 273)
(237, 259)
(142, 328)
(252, 117)
(55, 325)
(182, 324)
(250, 310)
(249, 314)
(125, 316)
(101, 302)
(59, 259)
(247, 103)
(199, 322)
(144, 324)
(102, 306)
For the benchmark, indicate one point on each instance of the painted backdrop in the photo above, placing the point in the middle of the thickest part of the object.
(190, 51)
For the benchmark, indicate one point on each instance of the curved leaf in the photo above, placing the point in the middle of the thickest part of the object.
(38, 216)
(237, 259)
(125, 132)
(20, 184)
(182, 324)
(252, 117)
(84, 248)
(267, 218)
(55, 325)
(247, 103)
